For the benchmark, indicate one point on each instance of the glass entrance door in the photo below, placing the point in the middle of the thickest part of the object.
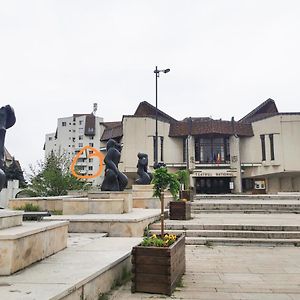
(212, 185)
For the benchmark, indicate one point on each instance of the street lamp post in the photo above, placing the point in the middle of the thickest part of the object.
(156, 71)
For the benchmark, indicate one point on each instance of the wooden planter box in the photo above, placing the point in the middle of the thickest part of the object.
(180, 210)
(158, 269)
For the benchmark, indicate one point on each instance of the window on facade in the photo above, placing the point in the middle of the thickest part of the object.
(50, 138)
(263, 147)
(91, 144)
(80, 137)
(64, 123)
(80, 122)
(81, 168)
(271, 137)
(80, 130)
(91, 168)
(212, 150)
(184, 149)
(161, 148)
(90, 160)
(91, 137)
(154, 149)
(80, 145)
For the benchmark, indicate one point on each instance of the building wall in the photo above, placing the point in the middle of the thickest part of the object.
(138, 135)
(283, 173)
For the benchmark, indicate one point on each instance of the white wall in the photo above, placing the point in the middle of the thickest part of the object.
(138, 135)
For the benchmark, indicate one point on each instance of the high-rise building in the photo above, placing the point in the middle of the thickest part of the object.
(72, 134)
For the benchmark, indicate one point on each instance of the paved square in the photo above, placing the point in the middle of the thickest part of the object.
(234, 272)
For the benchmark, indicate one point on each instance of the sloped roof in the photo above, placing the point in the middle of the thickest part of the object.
(146, 109)
(266, 109)
(113, 130)
(203, 127)
(7, 155)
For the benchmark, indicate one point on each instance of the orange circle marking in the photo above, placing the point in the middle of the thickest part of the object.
(95, 153)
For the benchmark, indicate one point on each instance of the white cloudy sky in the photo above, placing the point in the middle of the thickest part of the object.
(226, 56)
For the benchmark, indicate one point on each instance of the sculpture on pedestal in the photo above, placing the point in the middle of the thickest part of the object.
(7, 120)
(145, 177)
(114, 180)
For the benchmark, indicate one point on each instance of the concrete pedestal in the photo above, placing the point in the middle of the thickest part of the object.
(142, 196)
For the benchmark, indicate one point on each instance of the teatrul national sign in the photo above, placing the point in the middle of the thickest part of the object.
(214, 173)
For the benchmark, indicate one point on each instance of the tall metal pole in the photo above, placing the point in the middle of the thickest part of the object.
(156, 123)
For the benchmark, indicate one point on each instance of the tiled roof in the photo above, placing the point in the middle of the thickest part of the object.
(7, 155)
(264, 110)
(203, 127)
(146, 109)
(111, 124)
(112, 132)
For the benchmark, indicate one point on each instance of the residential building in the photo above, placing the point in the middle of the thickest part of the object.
(72, 134)
(256, 154)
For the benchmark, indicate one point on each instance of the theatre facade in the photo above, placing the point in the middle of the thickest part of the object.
(257, 154)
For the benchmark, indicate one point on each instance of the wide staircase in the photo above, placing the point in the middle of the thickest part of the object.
(229, 219)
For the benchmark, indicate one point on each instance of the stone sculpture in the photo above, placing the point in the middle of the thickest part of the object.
(114, 180)
(145, 177)
(7, 120)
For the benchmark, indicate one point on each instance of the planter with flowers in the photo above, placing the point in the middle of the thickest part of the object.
(181, 209)
(159, 261)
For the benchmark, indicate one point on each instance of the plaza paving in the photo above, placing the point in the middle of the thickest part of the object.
(234, 272)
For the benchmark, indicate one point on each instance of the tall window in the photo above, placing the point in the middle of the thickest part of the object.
(161, 154)
(161, 148)
(64, 123)
(212, 150)
(184, 149)
(263, 147)
(154, 149)
(271, 137)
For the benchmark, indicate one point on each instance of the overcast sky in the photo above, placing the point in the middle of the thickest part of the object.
(226, 57)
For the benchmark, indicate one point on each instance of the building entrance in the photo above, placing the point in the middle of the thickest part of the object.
(212, 185)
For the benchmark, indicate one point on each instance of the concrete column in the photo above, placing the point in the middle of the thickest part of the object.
(235, 162)
(191, 158)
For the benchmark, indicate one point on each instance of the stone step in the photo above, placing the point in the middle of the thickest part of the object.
(236, 234)
(244, 227)
(246, 211)
(248, 197)
(10, 218)
(24, 245)
(210, 241)
(87, 270)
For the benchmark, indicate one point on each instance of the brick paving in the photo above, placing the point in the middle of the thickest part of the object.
(234, 272)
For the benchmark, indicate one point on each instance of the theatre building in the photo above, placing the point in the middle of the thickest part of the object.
(257, 154)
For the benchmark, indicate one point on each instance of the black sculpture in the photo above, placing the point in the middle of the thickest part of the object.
(114, 180)
(145, 177)
(7, 120)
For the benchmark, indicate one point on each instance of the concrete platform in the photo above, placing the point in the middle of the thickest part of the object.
(221, 273)
(127, 225)
(10, 218)
(24, 245)
(81, 206)
(82, 271)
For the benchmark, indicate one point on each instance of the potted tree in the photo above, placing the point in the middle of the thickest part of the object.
(159, 261)
(181, 209)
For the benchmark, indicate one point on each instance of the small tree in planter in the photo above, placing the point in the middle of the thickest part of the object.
(181, 210)
(162, 180)
(159, 261)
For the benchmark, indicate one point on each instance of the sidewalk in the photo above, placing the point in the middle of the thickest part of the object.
(224, 272)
